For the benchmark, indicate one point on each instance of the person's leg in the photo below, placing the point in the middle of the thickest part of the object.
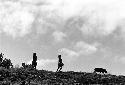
(60, 68)
(57, 69)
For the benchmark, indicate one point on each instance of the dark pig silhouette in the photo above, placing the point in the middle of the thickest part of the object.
(100, 70)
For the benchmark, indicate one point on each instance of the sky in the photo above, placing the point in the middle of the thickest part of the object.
(87, 33)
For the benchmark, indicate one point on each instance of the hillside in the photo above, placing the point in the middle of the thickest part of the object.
(15, 76)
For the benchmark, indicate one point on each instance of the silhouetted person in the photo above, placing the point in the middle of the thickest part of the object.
(34, 62)
(60, 63)
(34, 57)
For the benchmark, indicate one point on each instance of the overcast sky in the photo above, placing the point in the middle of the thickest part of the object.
(87, 33)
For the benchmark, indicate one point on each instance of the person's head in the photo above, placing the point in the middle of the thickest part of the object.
(59, 56)
(34, 57)
(34, 54)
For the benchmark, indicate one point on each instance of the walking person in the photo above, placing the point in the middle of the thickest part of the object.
(60, 64)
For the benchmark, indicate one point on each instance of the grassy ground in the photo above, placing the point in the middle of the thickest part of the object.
(15, 76)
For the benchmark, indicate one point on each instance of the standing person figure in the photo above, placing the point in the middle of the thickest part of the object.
(34, 62)
(60, 64)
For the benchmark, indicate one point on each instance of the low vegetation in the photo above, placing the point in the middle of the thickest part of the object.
(38, 77)
(29, 75)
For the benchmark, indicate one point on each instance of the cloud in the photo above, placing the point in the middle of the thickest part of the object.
(31, 1)
(42, 63)
(80, 48)
(99, 17)
(68, 54)
(85, 49)
(58, 36)
(119, 59)
(14, 19)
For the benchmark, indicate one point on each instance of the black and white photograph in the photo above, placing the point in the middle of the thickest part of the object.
(62, 42)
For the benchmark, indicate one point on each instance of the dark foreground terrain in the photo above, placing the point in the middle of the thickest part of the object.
(15, 76)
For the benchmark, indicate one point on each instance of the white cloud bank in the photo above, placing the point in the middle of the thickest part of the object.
(68, 54)
(58, 36)
(85, 48)
(15, 20)
(79, 49)
(99, 17)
